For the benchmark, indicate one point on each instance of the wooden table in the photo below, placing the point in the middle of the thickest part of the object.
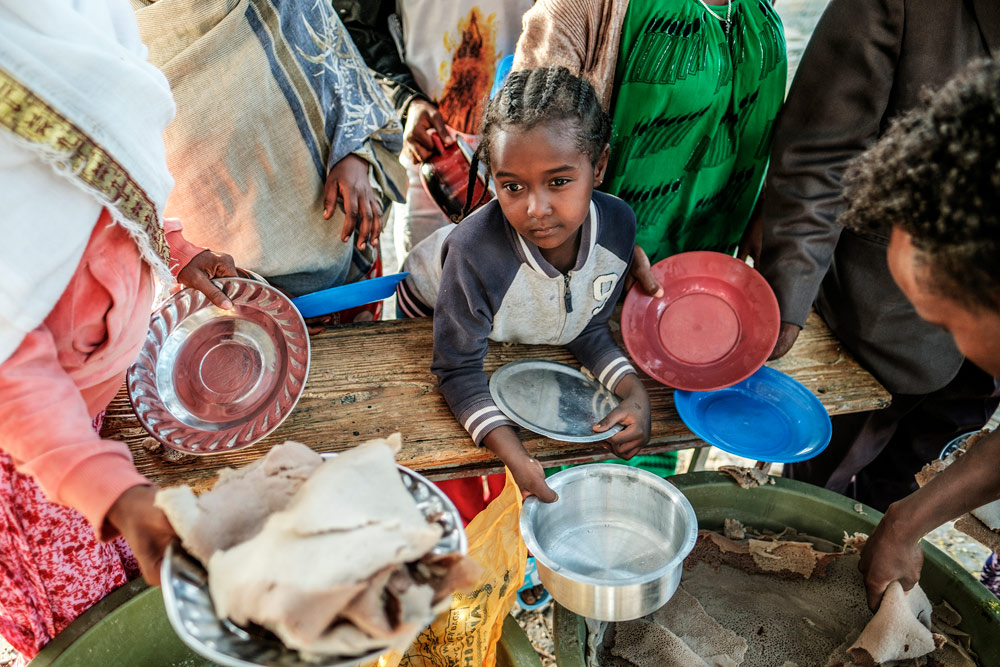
(369, 380)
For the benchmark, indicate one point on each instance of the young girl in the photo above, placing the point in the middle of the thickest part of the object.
(543, 263)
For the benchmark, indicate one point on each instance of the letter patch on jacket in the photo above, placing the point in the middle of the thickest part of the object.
(603, 287)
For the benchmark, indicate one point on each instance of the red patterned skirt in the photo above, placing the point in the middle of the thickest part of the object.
(52, 566)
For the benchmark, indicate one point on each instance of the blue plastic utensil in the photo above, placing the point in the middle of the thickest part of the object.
(767, 417)
(340, 298)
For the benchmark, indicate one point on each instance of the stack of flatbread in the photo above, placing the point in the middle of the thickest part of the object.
(332, 556)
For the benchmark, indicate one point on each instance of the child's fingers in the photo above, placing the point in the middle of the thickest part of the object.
(376, 223)
(201, 282)
(627, 450)
(330, 197)
(641, 272)
(350, 216)
(437, 122)
(544, 492)
(422, 141)
(614, 417)
(365, 221)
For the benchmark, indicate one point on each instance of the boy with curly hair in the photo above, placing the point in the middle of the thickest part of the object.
(935, 176)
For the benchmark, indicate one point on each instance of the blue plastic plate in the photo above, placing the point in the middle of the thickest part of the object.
(340, 298)
(767, 417)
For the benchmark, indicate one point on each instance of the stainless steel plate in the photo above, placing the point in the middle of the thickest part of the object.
(210, 380)
(192, 615)
(552, 399)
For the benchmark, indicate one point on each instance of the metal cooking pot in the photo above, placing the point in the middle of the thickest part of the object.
(612, 546)
(445, 176)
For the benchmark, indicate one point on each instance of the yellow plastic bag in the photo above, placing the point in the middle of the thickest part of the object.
(467, 634)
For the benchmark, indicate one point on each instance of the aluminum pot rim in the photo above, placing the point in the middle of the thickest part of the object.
(565, 477)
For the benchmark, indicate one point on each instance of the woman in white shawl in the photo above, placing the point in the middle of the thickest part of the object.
(83, 182)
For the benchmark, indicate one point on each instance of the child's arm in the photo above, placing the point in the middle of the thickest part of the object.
(596, 349)
(463, 318)
(194, 266)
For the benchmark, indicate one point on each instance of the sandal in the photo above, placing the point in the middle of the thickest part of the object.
(532, 580)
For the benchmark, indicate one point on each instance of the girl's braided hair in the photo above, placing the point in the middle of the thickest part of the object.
(936, 174)
(535, 96)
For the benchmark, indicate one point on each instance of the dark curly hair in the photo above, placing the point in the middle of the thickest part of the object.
(936, 174)
(532, 97)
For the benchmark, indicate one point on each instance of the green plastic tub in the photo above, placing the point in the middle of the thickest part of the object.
(130, 628)
(821, 513)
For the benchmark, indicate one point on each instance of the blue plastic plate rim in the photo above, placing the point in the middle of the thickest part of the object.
(347, 296)
(687, 404)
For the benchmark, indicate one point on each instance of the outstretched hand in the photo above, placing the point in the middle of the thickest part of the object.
(787, 336)
(526, 470)
(888, 557)
(198, 273)
(530, 478)
(422, 118)
(348, 184)
(633, 414)
(145, 527)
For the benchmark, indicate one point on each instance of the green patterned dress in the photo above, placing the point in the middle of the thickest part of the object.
(693, 113)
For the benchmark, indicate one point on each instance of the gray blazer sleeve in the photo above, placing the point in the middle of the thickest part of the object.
(835, 110)
(595, 348)
(463, 319)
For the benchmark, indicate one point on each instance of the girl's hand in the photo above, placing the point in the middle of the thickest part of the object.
(530, 478)
(639, 272)
(422, 118)
(633, 414)
(145, 527)
(527, 471)
(204, 266)
(348, 183)
(753, 239)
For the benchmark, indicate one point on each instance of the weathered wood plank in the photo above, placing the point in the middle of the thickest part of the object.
(369, 380)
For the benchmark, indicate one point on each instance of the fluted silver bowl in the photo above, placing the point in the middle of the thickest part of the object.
(611, 548)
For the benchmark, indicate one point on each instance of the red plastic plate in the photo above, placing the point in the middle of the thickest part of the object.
(715, 324)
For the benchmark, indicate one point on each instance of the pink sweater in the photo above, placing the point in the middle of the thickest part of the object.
(68, 369)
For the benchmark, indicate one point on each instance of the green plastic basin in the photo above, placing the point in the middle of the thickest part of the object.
(130, 627)
(821, 513)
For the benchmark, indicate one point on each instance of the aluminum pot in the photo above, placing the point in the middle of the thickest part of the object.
(612, 546)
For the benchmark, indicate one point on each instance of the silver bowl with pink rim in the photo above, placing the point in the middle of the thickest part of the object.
(210, 380)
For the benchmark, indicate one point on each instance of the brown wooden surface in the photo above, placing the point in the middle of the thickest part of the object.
(369, 380)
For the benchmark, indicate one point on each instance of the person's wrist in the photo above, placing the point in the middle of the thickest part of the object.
(629, 386)
(415, 106)
(899, 524)
(119, 514)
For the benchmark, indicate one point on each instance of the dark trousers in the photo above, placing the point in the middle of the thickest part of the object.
(873, 456)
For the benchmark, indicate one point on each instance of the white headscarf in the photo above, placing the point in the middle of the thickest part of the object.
(82, 116)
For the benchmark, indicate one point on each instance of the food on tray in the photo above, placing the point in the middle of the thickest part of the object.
(783, 599)
(332, 556)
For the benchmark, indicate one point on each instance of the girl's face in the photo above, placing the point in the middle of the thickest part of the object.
(544, 183)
